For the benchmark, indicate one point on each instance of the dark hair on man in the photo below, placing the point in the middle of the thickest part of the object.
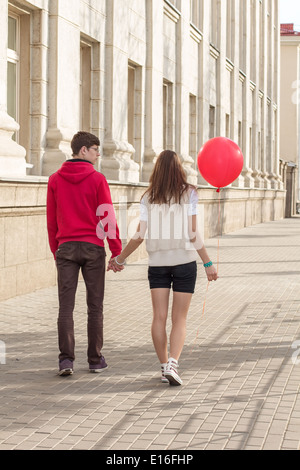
(83, 139)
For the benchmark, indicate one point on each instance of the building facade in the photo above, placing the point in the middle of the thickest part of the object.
(290, 116)
(143, 75)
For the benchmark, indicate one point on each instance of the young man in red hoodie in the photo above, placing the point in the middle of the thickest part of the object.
(80, 216)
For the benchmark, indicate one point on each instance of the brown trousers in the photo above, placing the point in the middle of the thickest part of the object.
(90, 258)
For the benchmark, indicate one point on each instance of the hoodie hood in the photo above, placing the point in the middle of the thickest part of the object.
(76, 172)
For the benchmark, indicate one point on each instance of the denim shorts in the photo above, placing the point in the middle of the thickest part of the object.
(182, 277)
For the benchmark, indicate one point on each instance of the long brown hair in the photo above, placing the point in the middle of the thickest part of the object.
(168, 181)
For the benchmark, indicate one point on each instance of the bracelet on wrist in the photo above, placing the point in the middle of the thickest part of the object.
(207, 265)
(119, 264)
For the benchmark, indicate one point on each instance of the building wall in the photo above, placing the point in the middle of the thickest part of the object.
(26, 263)
(290, 119)
(143, 75)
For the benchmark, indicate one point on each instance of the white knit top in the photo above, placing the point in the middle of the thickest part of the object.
(167, 237)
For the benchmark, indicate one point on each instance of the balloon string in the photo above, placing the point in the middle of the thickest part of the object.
(220, 230)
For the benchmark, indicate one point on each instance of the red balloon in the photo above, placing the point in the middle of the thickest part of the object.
(220, 161)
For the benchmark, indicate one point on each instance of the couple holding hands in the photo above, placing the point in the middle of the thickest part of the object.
(168, 224)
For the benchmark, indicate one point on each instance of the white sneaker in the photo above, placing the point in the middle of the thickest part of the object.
(171, 372)
(163, 370)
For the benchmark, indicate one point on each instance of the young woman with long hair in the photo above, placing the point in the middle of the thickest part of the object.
(168, 221)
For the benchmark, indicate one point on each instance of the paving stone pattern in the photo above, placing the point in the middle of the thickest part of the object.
(240, 365)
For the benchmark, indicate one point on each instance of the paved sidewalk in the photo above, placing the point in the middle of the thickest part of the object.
(239, 366)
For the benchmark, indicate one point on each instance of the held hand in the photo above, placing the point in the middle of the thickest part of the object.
(109, 266)
(112, 265)
(211, 273)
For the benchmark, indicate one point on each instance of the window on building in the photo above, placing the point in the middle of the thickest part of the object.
(227, 123)
(135, 117)
(262, 46)
(13, 67)
(85, 85)
(259, 151)
(240, 135)
(196, 13)
(269, 45)
(131, 105)
(168, 119)
(242, 36)
(251, 148)
(193, 127)
(212, 122)
(253, 40)
(229, 30)
(214, 23)
(19, 74)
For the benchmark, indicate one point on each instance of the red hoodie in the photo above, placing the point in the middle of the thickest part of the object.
(79, 208)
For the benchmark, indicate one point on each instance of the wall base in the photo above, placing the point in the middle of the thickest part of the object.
(26, 263)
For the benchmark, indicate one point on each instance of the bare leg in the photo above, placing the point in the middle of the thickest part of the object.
(180, 307)
(160, 304)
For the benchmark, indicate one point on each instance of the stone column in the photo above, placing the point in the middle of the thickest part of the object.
(221, 70)
(276, 183)
(182, 93)
(270, 90)
(64, 78)
(39, 88)
(204, 82)
(117, 163)
(247, 99)
(264, 98)
(255, 77)
(12, 155)
(236, 82)
(154, 86)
